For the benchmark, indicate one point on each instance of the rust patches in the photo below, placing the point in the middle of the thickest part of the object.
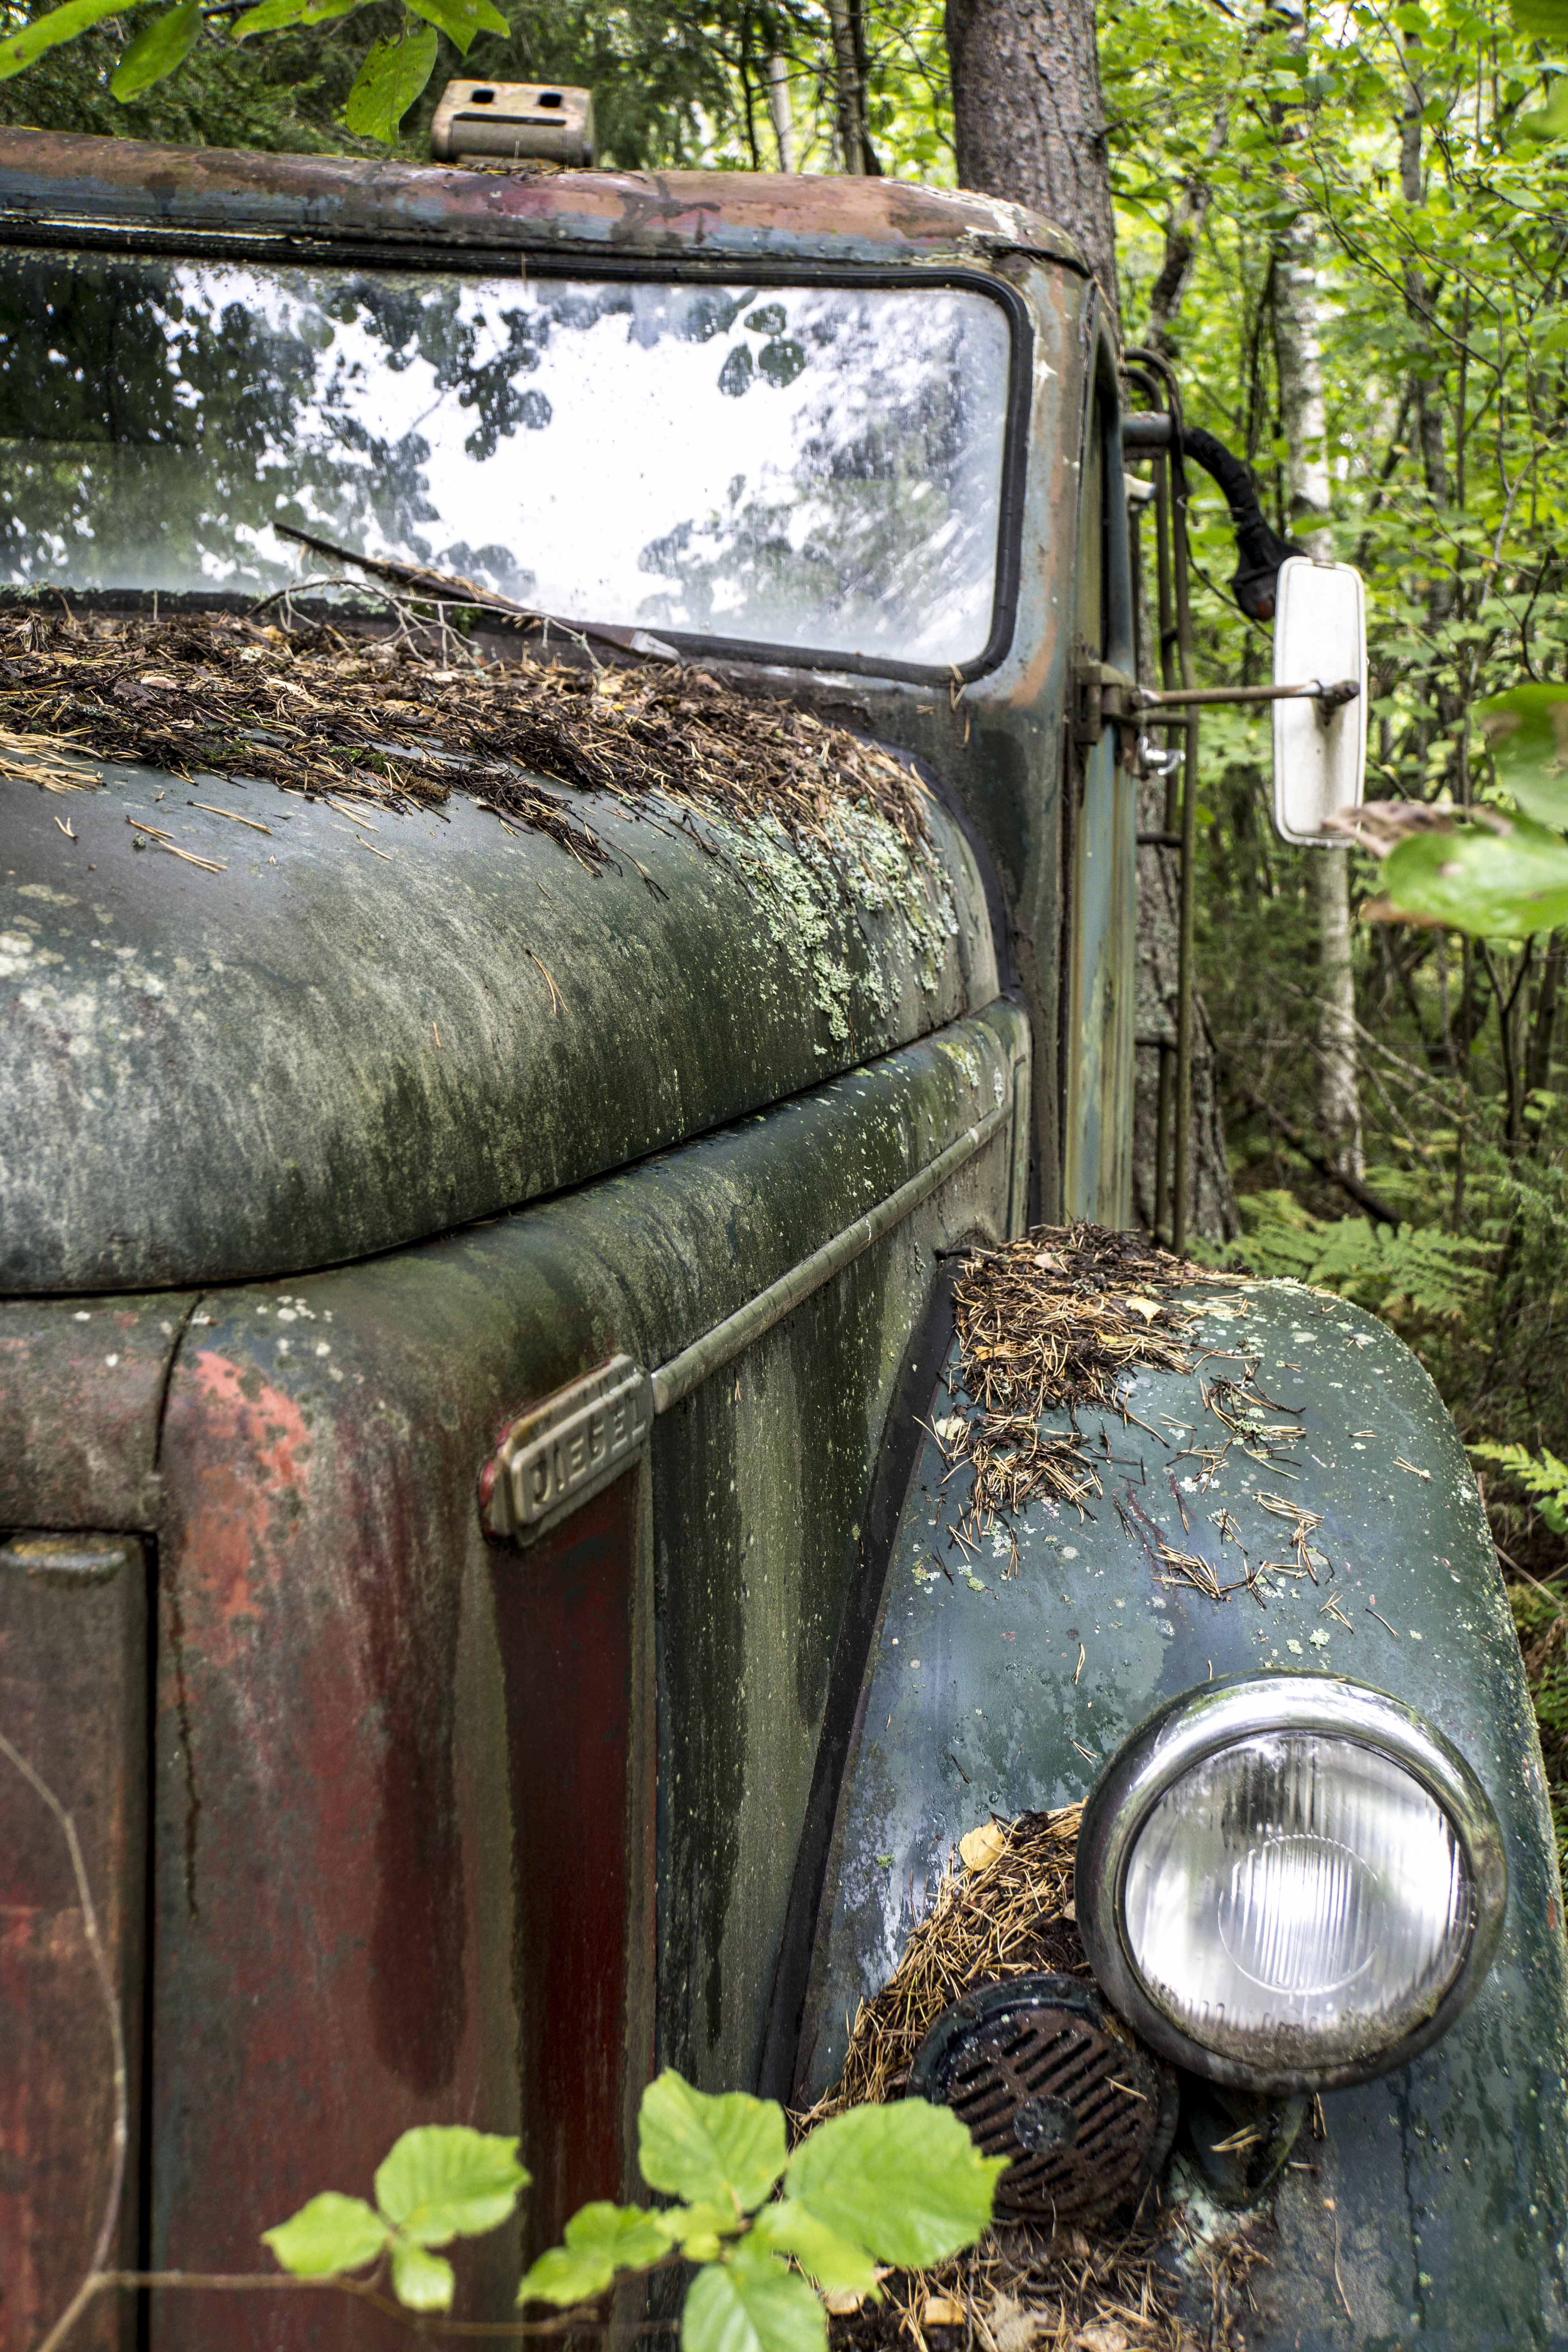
(337, 194)
(176, 1625)
(258, 1461)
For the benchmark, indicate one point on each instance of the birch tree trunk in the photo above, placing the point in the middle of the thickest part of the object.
(1298, 361)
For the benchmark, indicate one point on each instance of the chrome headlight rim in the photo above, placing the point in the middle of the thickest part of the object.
(1198, 1725)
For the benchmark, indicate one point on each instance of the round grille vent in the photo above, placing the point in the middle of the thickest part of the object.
(1036, 2073)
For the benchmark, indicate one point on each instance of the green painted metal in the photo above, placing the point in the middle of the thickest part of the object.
(1448, 2180)
(319, 1053)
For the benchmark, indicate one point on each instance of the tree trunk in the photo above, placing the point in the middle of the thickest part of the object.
(779, 109)
(1030, 125)
(1299, 362)
(1426, 392)
(853, 143)
(1029, 119)
(1183, 228)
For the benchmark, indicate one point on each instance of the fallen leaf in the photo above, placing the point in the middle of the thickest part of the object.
(1013, 2328)
(838, 2302)
(979, 1848)
(1147, 1307)
(942, 2311)
(1105, 2336)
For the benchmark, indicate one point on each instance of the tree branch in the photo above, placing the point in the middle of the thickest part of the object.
(1361, 1194)
(122, 2135)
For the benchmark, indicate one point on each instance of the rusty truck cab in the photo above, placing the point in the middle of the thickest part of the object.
(314, 1191)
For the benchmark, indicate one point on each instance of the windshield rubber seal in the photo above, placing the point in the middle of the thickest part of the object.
(296, 248)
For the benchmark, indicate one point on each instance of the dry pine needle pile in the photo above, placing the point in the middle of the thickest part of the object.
(1056, 1321)
(1004, 1909)
(314, 711)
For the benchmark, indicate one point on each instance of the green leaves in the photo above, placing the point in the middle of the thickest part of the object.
(600, 2240)
(1543, 1477)
(752, 2304)
(277, 16)
(906, 2182)
(420, 2279)
(19, 50)
(395, 72)
(1420, 1267)
(157, 49)
(717, 2150)
(461, 20)
(1493, 875)
(901, 2184)
(1527, 732)
(835, 2262)
(439, 2183)
(1493, 884)
(391, 79)
(1543, 20)
(332, 2233)
(446, 2181)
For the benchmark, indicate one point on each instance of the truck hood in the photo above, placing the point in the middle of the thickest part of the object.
(339, 1034)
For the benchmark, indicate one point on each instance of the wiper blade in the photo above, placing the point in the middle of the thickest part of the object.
(452, 588)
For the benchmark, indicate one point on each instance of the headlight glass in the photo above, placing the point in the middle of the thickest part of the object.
(1297, 1899)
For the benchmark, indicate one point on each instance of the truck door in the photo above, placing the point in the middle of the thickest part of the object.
(1100, 854)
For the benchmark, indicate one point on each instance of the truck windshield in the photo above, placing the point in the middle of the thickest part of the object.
(808, 467)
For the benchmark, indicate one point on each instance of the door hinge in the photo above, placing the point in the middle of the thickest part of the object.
(559, 1454)
(1102, 693)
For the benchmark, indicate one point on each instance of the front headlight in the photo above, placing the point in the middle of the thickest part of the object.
(1290, 1881)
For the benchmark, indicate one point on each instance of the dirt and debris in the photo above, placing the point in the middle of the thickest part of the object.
(405, 720)
(1006, 1911)
(1005, 1908)
(1074, 2289)
(1058, 1319)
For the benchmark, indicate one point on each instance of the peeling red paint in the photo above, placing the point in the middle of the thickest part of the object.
(261, 1450)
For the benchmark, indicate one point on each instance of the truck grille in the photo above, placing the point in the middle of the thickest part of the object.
(1037, 2073)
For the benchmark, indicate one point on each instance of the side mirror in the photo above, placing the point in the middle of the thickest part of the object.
(1319, 737)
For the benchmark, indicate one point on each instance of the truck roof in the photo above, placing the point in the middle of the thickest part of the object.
(51, 181)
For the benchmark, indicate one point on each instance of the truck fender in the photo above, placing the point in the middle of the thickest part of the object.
(1002, 1679)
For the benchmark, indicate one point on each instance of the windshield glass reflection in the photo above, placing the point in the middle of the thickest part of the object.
(812, 467)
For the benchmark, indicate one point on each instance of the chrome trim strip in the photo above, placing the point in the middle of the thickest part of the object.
(1241, 1706)
(693, 1365)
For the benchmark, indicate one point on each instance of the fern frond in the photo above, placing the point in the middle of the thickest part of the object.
(1543, 1477)
(1418, 1268)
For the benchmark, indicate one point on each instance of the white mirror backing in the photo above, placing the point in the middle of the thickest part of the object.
(1320, 634)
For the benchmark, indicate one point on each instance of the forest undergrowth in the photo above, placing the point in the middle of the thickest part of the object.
(1469, 1165)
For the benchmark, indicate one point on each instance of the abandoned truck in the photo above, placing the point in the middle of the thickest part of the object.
(555, 1174)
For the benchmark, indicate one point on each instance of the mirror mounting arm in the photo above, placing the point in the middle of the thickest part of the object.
(1329, 696)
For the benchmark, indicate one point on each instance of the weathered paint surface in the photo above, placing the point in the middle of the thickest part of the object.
(352, 1845)
(998, 747)
(1096, 1139)
(1448, 2180)
(564, 1620)
(341, 1943)
(81, 1387)
(47, 176)
(372, 1041)
(73, 1692)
